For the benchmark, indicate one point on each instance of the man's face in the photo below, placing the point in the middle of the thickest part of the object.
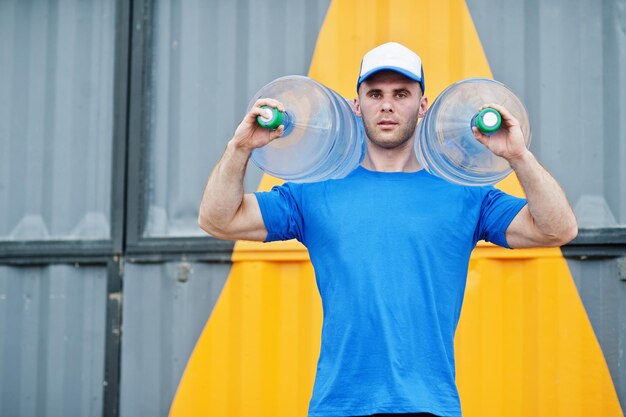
(390, 105)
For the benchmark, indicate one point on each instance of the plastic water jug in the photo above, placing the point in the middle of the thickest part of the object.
(323, 138)
(445, 144)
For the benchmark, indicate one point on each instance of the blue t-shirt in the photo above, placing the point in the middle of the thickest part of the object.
(390, 253)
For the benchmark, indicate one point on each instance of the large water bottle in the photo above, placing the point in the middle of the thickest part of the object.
(323, 137)
(445, 144)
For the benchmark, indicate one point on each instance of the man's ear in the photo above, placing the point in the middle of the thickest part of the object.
(356, 107)
(423, 107)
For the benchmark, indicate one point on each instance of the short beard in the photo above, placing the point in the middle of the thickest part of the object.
(406, 135)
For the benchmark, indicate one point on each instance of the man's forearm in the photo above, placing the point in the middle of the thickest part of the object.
(547, 203)
(224, 191)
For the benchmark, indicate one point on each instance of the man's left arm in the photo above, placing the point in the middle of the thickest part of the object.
(547, 219)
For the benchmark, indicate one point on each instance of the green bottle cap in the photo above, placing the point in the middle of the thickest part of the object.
(488, 120)
(272, 122)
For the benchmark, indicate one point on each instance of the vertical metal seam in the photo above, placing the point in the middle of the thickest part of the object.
(119, 178)
(113, 330)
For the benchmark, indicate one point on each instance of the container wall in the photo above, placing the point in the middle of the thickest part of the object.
(567, 61)
(165, 308)
(601, 284)
(56, 118)
(207, 60)
(115, 112)
(525, 344)
(52, 348)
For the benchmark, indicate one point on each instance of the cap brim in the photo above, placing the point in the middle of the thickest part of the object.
(402, 71)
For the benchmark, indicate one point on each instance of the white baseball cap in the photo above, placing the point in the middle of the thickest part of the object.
(394, 57)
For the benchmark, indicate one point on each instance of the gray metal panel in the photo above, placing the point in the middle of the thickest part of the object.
(208, 59)
(52, 322)
(165, 309)
(56, 118)
(602, 288)
(567, 61)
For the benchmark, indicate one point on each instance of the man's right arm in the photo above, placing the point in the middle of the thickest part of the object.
(225, 211)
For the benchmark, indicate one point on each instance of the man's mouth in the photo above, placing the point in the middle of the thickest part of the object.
(387, 124)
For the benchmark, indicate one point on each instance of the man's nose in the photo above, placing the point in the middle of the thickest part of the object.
(387, 106)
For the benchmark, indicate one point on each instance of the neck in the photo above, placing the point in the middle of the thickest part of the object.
(400, 159)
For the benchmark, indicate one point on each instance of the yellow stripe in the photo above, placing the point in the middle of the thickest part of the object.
(524, 346)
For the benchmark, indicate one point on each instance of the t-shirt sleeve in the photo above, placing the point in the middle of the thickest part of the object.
(281, 212)
(496, 213)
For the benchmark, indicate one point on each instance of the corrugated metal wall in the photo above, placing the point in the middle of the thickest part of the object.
(204, 61)
(567, 61)
(56, 113)
(56, 124)
(207, 60)
(558, 343)
(200, 64)
(52, 340)
(165, 308)
(601, 283)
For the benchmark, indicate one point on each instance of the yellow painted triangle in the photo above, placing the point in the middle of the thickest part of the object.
(524, 346)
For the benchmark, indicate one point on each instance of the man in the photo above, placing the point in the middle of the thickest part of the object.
(390, 243)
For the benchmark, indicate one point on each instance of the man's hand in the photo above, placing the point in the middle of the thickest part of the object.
(508, 141)
(249, 134)
(548, 219)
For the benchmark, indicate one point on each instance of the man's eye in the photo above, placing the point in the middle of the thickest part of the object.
(401, 95)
